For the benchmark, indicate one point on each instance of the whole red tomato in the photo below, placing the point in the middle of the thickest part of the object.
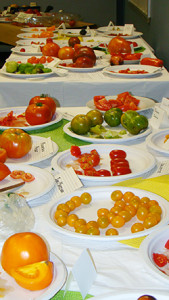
(16, 142)
(84, 62)
(3, 155)
(116, 60)
(49, 101)
(73, 41)
(4, 171)
(50, 49)
(119, 45)
(84, 51)
(66, 52)
(38, 113)
(23, 249)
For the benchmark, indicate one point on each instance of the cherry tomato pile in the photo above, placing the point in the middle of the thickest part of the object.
(41, 60)
(43, 34)
(162, 259)
(126, 206)
(125, 101)
(119, 165)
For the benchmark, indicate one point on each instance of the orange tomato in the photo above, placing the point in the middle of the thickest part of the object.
(34, 277)
(4, 171)
(3, 155)
(23, 249)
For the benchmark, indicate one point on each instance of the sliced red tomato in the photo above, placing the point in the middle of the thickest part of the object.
(121, 170)
(117, 153)
(103, 173)
(4, 171)
(27, 177)
(160, 259)
(91, 172)
(16, 174)
(75, 151)
(167, 245)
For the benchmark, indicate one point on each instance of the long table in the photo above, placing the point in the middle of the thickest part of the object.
(120, 268)
(76, 89)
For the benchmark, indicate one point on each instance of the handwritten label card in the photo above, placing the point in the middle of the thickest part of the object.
(67, 181)
(42, 148)
(162, 169)
(128, 29)
(165, 104)
(110, 26)
(83, 268)
(159, 118)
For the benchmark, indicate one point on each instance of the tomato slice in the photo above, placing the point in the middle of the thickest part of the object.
(160, 259)
(4, 171)
(34, 277)
(75, 151)
(27, 177)
(16, 174)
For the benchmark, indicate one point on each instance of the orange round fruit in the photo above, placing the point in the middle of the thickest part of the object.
(23, 249)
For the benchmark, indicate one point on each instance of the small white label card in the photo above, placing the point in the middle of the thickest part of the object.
(128, 29)
(110, 26)
(83, 268)
(67, 181)
(159, 118)
(165, 104)
(42, 148)
(162, 169)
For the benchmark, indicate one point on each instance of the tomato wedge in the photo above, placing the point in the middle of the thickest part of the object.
(4, 171)
(3, 155)
(27, 177)
(34, 277)
(16, 174)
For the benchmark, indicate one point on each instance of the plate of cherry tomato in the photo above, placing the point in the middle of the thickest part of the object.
(98, 216)
(38, 182)
(37, 36)
(17, 119)
(103, 164)
(27, 50)
(105, 102)
(132, 71)
(155, 252)
(159, 142)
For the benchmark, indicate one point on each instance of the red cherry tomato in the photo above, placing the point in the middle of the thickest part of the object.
(75, 151)
(167, 245)
(103, 173)
(117, 153)
(118, 170)
(160, 259)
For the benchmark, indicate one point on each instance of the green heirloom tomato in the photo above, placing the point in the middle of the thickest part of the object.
(113, 117)
(134, 122)
(95, 116)
(80, 124)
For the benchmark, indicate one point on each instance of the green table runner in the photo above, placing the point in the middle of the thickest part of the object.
(70, 295)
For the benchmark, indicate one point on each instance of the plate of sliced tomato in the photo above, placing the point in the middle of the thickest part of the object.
(15, 117)
(37, 181)
(125, 101)
(104, 164)
(132, 71)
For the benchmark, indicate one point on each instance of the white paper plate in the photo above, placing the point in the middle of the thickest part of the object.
(29, 36)
(20, 110)
(156, 143)
(135, 34)
(34, 157)
(126, 138)
(101, 64)
(155, 243)
(36, 29)
(22, 42)
(101, 198)
(105, 29)
(17, 292)
(72, 32)
(133, 294)
(140, 163)
(23, 76)
(145, 103)
(42, 184)
(113, 71)
(29, 50)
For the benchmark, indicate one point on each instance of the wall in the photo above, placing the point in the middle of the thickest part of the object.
(93, 11)
(156, 33)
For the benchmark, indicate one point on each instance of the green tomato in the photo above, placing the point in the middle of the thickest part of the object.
(80, 124)
(113, 117)
(95, 116)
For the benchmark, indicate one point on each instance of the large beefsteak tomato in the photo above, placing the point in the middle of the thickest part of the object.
(16, 142)
(49, 101)
(38, 113)
(23, 249)
(119, 45)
